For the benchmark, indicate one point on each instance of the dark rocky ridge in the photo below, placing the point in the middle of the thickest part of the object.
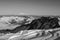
(39, 23)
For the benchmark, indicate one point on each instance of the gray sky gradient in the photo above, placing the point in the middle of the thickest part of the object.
(30, 7)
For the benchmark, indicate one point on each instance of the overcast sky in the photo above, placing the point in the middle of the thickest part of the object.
(30, 7)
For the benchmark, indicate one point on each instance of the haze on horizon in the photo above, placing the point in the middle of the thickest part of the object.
(29, 7)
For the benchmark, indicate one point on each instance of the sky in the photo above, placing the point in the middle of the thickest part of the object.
(29, 7)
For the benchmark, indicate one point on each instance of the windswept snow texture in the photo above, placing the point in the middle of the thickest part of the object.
(21, 21)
